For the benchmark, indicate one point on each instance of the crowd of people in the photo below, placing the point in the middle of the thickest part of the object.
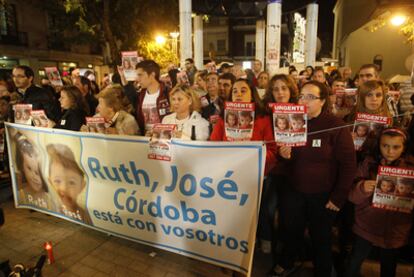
(309, 191)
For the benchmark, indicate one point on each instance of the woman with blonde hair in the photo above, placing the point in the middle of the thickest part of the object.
(117, 120)
(185, 106)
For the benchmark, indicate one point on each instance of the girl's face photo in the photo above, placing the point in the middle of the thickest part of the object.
(282, 123)
(362, 131)
(387, 186)
(404, 189)
(391, 147)
(245, 121)
(373, 99)
(32, 172)
(18, 115)
(153, 116)
(281, 92)
(26, 115)
(231, 120)
(297, 124)
(67, 182)
(339, 101)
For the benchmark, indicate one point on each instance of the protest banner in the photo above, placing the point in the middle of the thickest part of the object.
(204, 204)
(395, 189)
(290, 124)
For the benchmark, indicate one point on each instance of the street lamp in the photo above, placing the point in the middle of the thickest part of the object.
(160, 39)
(398, 20)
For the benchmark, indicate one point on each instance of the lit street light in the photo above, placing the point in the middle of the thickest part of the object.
(160, 39)
(398, 20)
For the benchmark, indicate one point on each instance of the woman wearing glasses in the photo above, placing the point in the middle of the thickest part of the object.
(320, 176)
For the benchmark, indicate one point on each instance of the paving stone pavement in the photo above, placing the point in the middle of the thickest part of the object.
(83, 252)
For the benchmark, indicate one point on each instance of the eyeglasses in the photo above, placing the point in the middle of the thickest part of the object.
(376, 94)
(308, 97)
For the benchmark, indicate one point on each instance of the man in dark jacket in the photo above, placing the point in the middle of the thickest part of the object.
(31, 94)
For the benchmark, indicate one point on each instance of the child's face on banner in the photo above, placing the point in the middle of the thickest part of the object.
(282, 124)
(31, 172)
(386, 186)
(67, 183)
(245, 121)
(231, 120)
(297, 125)
(404, 189)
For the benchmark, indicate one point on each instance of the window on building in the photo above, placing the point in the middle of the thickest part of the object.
(221, 45)
(250, 48)
(8, 20)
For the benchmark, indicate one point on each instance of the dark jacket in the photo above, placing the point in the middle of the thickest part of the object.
(137, 99)
(327, 163)
(42, 99)
(383, 228)
(92, 103)
(72, 119)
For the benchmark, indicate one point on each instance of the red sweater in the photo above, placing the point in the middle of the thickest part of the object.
(262, 131)
(386, 229)
(327, 163)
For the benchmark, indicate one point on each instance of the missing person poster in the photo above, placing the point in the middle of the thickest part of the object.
(208, 213)
(395, 189)
(290, 124)
(53, 75)
(160, 142)
(39, 118)
(365, 124)
(22, 114)
(129, 61)
(239, 120)
(96, 124)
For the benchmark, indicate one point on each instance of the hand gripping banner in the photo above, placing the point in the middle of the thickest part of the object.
(203, 203)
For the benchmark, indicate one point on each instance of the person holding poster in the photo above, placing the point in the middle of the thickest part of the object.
(68, 180)
(117, 120)
(185, 105)
(374, 226)
(282, 89)
(320, 175)
(74, 109)
(33, 189)
(151, 103)
(371, 106)
(371, 100)
(243, 92)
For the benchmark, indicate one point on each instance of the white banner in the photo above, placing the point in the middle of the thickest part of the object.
(203, 203)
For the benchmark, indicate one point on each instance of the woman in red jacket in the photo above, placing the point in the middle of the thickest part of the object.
(320, 176)
(262, 130)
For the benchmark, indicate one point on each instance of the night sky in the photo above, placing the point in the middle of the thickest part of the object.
(326, 16)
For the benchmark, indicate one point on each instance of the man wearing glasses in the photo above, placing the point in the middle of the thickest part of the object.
(31, 94)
